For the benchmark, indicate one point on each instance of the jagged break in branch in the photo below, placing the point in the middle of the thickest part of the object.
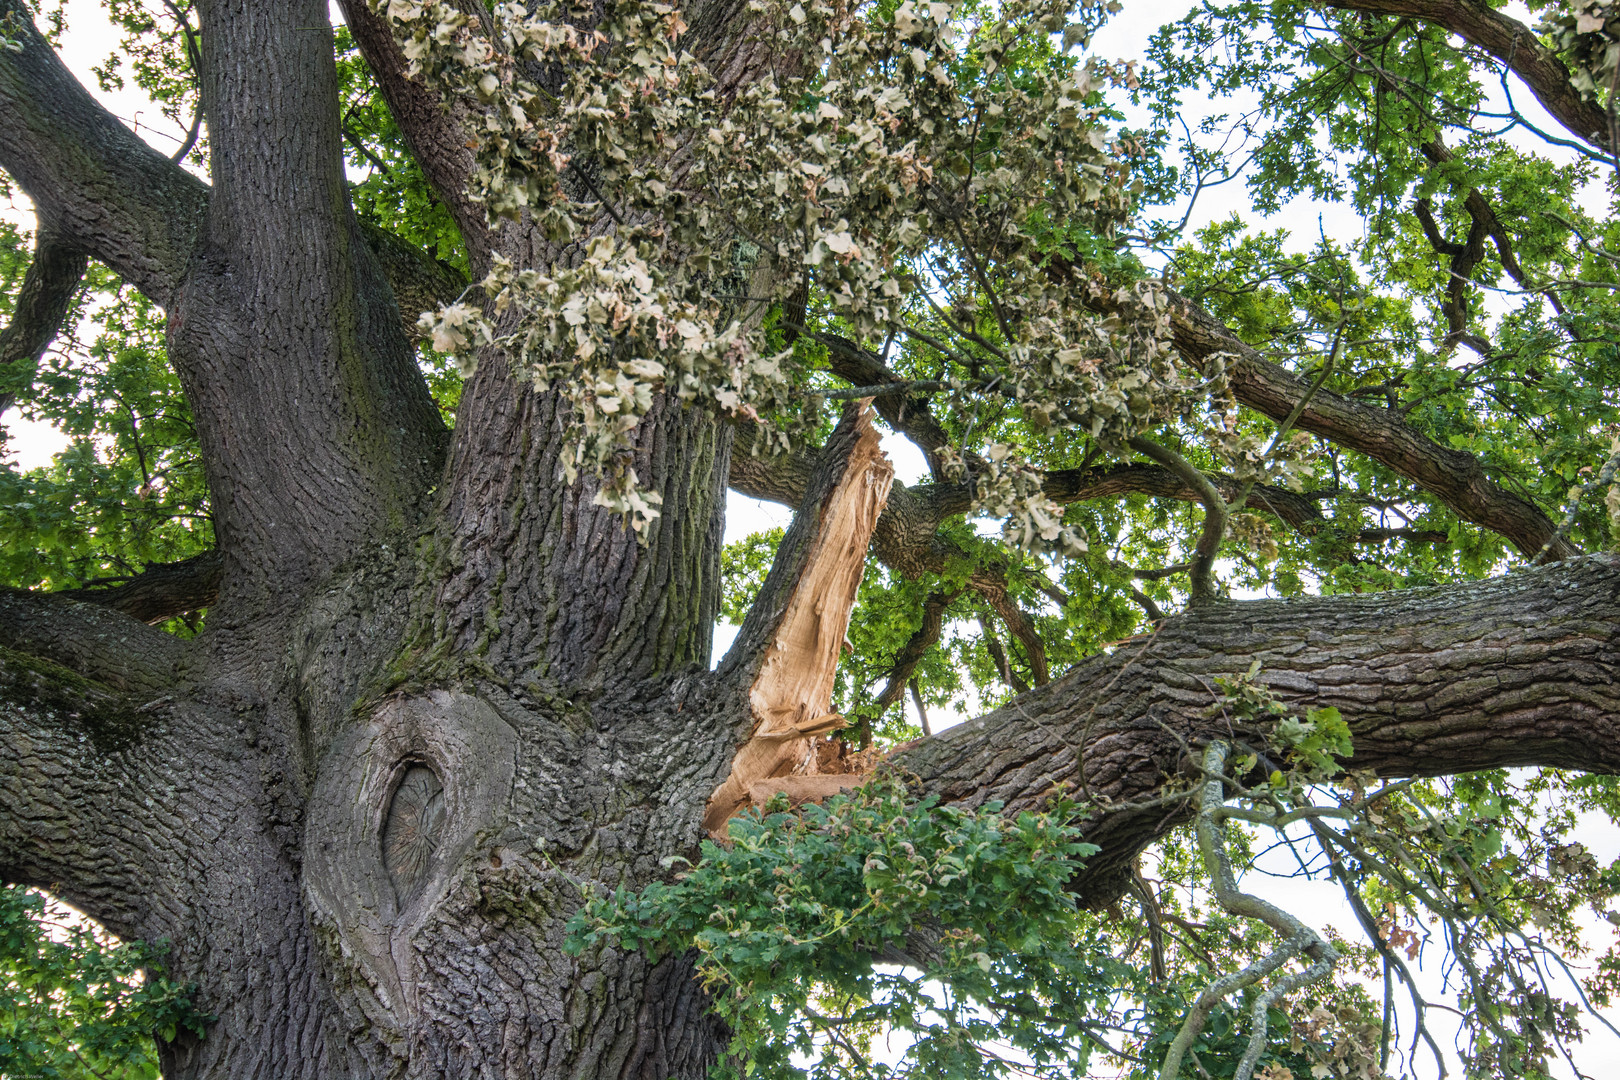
(791, 693)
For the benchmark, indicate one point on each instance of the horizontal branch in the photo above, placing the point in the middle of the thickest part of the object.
(94, 641)
(906, 537)
(161, 591)
(1514, 671)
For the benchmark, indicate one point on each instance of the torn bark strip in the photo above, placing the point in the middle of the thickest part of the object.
(791, 695)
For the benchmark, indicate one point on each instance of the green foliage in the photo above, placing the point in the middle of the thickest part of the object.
(161, 51)
(76, 1005)
(130, 489)
(1517, 372)
(743, 566)
(819, 932)
(1313, 744)
(883, 157)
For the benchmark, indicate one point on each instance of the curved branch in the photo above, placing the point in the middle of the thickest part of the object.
(47, 292)
(1454, 477)
(1484, 218)
(991, 583)
(95, 185)
(1201, 572)
(1512, 43)
(1512, 671)
(925, 637)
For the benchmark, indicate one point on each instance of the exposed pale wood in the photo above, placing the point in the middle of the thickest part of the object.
(792, 694)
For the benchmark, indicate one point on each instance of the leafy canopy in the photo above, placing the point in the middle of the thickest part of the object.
(951, 188)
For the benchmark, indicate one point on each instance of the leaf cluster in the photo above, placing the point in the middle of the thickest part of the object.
(822, 932)
(76, 1004)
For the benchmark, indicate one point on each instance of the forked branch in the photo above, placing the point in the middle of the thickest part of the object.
(1296, 940)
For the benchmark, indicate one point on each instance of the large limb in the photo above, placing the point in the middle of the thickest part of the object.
(95, 185)
(1516, 46)
(316, 428)
(98, 644)
(64, 768)
(1454, 477)
(1514, 671)
(98, 189)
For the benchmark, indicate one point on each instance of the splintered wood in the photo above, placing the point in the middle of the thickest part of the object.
(792, 694)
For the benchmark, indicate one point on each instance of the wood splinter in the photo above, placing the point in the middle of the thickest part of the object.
(791, 696)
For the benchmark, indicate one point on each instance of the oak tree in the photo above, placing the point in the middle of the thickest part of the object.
(360, 650)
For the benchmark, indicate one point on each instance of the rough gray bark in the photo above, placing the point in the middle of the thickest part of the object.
(440, 692)
(1515, 671)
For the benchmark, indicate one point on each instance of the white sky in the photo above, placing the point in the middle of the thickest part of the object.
(90, 39)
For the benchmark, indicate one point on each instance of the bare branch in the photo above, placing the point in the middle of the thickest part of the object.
(925, 637)
(1201, 572)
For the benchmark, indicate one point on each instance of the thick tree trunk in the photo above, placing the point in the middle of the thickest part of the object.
(433, 706)
(338, 923)
(371, 879)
